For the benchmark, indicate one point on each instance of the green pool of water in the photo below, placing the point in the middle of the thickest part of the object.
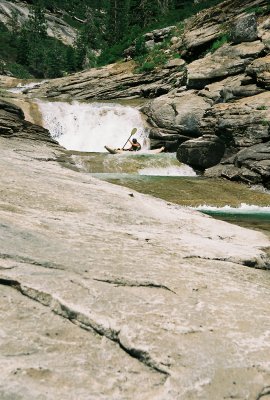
(162, 176)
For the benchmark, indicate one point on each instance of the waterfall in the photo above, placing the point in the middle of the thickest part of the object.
(88, 127)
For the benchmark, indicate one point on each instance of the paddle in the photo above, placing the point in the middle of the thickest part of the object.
(134, 130)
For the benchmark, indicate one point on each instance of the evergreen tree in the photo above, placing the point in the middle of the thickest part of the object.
(70, 60)
(54, 62)
(118, 19)
(23, 48)
(36, 24)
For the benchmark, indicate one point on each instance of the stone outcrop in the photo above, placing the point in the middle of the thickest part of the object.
(57, 27)
(240, 124)
(13, 124)
(83, 319)
(207, 26)
(152, 38)
(227, 61)
(112, 82)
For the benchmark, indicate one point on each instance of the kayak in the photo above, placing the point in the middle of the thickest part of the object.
(120, 151)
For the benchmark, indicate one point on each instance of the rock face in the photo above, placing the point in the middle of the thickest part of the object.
(245, 127)
(227, 61)
(57, 27)
(81, 318)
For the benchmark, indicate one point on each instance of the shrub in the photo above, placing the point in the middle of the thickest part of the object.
(18, 70)
(218, 43)
(147, 66)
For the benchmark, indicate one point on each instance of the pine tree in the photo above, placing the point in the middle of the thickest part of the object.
(36, 24)
(54, 63)
(118, 19)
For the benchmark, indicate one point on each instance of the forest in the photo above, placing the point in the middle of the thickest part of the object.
(105, 29)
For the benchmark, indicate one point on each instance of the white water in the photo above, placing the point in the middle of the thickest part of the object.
(21, 87)
(242, 209)
(181, 170)
(88, 127)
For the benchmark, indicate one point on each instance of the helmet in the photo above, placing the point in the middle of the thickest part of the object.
(134, 140)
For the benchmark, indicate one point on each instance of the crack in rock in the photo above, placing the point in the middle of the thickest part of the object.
(83, 321)
(127, 283)
(262, 264)
(26, 260)
(265, 392)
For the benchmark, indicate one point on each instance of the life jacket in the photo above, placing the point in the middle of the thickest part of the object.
(136, 148)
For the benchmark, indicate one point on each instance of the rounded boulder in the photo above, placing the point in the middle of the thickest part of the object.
(201, 153)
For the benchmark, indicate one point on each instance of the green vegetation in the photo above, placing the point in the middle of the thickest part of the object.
(258, 10)
(152, 59)
(262, 108)
(105, 29)
(218, 43)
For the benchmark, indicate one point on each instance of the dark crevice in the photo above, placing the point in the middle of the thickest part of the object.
(83, 321)
(26, 260)
(247, 263)
(264, 392)
(126, 283)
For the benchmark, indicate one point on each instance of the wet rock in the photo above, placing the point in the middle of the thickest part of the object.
(233, 173)
(256, 158)
(111, 82)
(13, 124)
(201, 153)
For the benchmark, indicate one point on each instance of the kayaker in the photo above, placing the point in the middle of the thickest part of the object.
(135, 145)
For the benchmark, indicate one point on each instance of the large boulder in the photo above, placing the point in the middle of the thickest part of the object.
(244, 28)
(201, 153)
(205, 27)
(257, 159)
(182, 112)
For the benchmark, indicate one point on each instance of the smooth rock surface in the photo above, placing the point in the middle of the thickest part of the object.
(111, 294)
(182, 113)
